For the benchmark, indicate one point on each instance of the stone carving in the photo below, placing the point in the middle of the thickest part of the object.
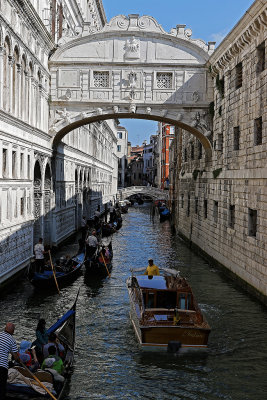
(195, 96)
(83, 115)
(122, 22)
(132, 48)
(148, 110)
(132, 79)
(201, 122)
(99, 111)
(115, 109)
(132, 108)
(63, 115)
(188, 33)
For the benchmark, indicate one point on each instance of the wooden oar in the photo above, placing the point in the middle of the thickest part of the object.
(105, 264)
(39, 382)
(54, 273)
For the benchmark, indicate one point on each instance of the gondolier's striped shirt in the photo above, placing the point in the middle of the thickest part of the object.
(7, 345)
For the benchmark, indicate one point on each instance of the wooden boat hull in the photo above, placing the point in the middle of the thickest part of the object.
(151, 338)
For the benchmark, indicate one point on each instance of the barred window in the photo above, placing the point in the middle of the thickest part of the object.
(196, 205)
(252, 222)
(199, 150)
(232, 216)
(215, 211)
(261, 58)
(164, 80)
(239, 75)
(101, 79)
(236, 138)
(258, 131)
(205, 208)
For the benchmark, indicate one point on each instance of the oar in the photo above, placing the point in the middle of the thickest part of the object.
(105, 264)
(54, 273)
(39, 382)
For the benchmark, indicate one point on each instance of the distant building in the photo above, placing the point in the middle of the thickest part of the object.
(122, 153)
(167, 134)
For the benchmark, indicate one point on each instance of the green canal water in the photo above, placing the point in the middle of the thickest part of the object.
(108, 362)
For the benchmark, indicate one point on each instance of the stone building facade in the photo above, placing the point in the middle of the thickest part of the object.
(122, 152)
(220, 205)
(44, 191)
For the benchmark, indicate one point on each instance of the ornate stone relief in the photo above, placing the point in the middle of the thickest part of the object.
(132, 49)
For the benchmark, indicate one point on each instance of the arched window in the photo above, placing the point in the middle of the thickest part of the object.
(30, 95)
(6, 75)
(23, 89)
(15, 83)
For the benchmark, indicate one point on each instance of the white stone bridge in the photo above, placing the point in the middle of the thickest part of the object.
(150, 191)
(132, 68)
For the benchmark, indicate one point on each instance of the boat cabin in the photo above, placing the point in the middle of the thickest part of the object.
(165, 292)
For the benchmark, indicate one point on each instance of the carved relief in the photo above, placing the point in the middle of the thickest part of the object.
(132, 48)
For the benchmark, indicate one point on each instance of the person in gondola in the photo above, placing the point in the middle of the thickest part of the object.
(53, 341)
(54, 364)
(41, 336)
(39, 252)
(7, 345)
(28, 355)
(152, 269)
(91, 244)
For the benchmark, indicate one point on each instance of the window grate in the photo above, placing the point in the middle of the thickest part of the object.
(164, 80)
(236, 138)
(101, 79)
(258, 131)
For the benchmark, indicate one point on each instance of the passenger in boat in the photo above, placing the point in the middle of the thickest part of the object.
(54, 364)
(53, 341)
(39, 255)
(53, 361)
(41, 335)
(152, 269)
(7, 345)
(28, 355)
(91, 244)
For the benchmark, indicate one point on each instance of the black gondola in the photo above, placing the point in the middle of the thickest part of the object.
(100, 264)
(65, 274)
(24, 387)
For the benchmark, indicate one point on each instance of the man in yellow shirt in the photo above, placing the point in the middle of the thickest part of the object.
(152, 269)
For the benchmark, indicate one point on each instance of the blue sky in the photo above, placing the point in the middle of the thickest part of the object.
(209, 20)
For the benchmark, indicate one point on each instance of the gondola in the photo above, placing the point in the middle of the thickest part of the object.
(65, 273)
(99, 265)
(21, 384)
(164, 213)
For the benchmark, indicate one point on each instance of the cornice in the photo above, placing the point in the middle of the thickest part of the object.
(243, 33)
(11, 120)
(101, 11)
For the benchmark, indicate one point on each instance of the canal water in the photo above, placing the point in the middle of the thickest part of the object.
(108, 362)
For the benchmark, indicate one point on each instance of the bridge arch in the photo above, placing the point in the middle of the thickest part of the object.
(154, 193)
(132, 69)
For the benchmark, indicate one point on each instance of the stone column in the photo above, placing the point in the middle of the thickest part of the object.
(10, 81)
(18, 91)
(1, 75)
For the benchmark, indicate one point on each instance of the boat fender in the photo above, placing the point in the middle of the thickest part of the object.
(173, 346)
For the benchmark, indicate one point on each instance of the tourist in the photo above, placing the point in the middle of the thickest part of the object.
(53, 341)
(41, 335)
(152, 269)
(7, 345)
(91, 244)
(54, 363)
(28, 356)
(39, 255)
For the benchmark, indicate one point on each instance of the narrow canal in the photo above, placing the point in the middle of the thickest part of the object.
(109, 364)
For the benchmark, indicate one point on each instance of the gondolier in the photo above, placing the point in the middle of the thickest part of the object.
(39, 255)
(7, 345)
(91, 244)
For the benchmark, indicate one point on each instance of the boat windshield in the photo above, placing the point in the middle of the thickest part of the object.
(166, 299)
